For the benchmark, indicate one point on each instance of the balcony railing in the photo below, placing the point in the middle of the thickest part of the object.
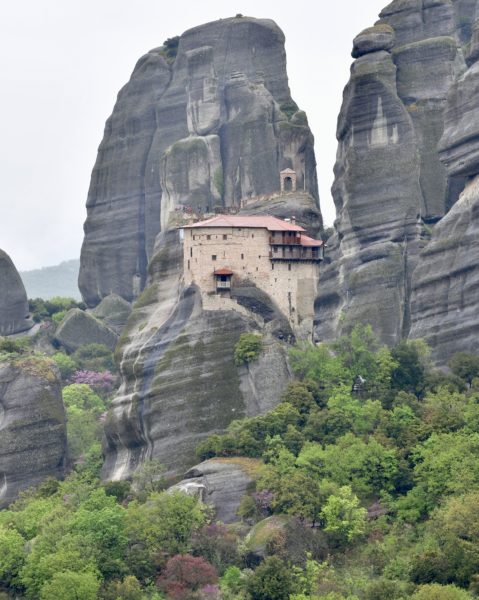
(296, 254)
(223, 285)
(286, 241)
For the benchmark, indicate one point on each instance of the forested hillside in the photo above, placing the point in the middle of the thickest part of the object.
(58, 280)
(366, 486)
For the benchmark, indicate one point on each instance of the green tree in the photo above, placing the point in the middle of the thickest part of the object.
(65, 364)
(465, 366)
(410, 372)
(69, 585)
(95, 357)
(159, 529)
(127, 589)
(272, 580)
(81, 396)
(12, 555)
(368, 467)
(446, 464)
(435, 591)
(343, 516)
(149, 477)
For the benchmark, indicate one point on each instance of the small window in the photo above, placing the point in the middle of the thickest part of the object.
(276, 248)
(188, 265)
(213, 257)
(252, 235)
(272, 266)
(225, 237)
(289, 267)
(208, 237)
(256, 268)
(194, 237)
(242, 257)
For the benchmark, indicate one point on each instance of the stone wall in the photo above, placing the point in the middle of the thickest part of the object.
(292, 285)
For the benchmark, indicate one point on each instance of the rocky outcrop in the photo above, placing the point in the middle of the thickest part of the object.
(220, 483)
(179, 379)
(390, 184)
(32, 426)
(114, 312)
(14, 311)
(445, 304)
(445, 297)
(79, 328)
(209, 127)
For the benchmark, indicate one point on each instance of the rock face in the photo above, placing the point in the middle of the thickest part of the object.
(209, 127)
(391, 181)
(445, 297)
(221, 483)
(114, 312)
(445, 305)
(179, 379)
(14, 311)
(32, 426)
(79, 328)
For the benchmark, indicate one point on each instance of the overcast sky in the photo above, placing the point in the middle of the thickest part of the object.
(64, 61)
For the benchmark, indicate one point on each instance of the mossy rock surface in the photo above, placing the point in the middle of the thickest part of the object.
(32, 424)
(80, 328)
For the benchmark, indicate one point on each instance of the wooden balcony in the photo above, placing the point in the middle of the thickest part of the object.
(284, 241)
(223, 285)
(297, 254)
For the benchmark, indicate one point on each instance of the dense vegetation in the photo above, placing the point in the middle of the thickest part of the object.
(367, 489)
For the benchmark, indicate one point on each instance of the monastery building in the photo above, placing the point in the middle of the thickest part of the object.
(275, 255)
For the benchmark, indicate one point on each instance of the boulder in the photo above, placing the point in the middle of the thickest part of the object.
(79, 328)
(373, 39)
(33, 442)
(14, 311)
(114, 312)
(221, 483)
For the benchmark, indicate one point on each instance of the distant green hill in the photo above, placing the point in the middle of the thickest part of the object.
(59, 280)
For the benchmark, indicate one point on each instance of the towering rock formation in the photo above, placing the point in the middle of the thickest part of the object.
(445, 306)
(32, 425)
(14, 311)
(390, 185)
(211, 126)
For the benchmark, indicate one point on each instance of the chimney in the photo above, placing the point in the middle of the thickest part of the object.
(293, 220)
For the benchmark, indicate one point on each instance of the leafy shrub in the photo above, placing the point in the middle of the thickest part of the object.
(65, 364)
(185, 574)
(95, 357)
(248, 348)
(45, 309)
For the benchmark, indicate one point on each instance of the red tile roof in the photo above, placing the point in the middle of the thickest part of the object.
(307, 241)
(257, 222)
(223, 272)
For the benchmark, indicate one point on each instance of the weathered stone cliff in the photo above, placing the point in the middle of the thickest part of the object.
(390, 184)
(179, 379)
(14, 312)
(445, 302)
(207, 127)
(32, 426)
